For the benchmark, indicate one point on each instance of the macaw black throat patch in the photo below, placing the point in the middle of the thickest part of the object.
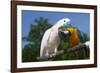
(64, 35)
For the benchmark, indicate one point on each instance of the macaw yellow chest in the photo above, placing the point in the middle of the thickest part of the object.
(73, 39)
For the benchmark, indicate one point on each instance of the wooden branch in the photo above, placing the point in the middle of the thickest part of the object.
(77, 47)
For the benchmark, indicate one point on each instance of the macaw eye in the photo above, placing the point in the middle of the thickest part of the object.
(69, 33)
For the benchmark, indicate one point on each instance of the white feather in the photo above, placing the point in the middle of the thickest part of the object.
(51, 39)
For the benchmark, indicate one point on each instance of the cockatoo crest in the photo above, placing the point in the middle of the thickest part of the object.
(62, 22)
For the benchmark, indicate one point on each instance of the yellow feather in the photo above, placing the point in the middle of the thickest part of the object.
(73, 39)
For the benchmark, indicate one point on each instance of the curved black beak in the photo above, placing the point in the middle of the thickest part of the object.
(64, 35)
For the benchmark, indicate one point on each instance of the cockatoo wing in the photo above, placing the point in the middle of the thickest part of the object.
(44, 42)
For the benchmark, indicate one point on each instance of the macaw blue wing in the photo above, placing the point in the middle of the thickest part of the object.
(84, 53)
(81, 36)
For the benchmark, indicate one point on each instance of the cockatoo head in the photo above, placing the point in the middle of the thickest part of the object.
(63, 22)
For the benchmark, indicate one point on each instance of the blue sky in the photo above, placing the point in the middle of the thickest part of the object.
(79, 20)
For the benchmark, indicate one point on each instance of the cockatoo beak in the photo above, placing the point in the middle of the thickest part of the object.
(67, 24)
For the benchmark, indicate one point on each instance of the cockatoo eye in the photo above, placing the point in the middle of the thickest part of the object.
(64, 20)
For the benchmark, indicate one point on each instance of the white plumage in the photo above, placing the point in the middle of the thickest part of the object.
(51, 39)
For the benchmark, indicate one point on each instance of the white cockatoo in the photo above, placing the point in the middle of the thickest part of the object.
(51, 38)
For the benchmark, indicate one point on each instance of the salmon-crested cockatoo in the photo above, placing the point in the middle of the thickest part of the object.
(51, 38)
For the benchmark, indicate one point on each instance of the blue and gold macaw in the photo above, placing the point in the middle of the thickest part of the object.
(74, 38)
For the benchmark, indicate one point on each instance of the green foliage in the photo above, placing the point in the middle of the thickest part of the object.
(29, 54)
(37, 29)
(32, 50)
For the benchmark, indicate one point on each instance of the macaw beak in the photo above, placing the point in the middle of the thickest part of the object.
(64, 35)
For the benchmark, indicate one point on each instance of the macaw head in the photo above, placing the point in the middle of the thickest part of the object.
(72, 30)
(67, 32)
